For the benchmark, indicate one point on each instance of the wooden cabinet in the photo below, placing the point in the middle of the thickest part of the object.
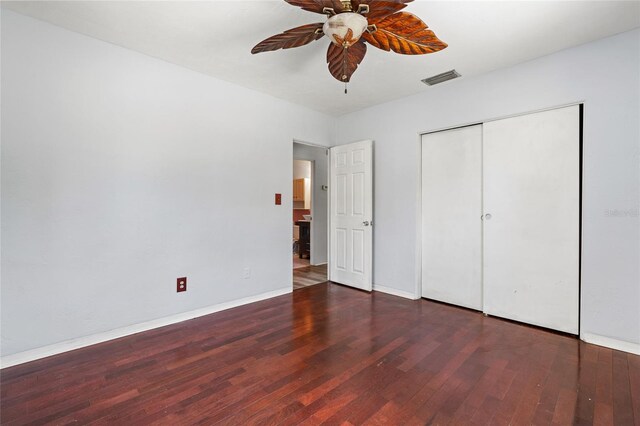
(304, 242)
(302, 193)
(298, 190)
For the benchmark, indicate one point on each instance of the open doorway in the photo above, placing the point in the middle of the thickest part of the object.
(309, 214)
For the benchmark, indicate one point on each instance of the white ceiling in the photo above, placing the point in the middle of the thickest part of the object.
(216, 37)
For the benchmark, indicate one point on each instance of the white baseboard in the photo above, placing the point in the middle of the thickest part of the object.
(393, 291)
(612, 343)
(81, 342)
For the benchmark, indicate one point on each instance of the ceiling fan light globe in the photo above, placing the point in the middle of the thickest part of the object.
(337, 28)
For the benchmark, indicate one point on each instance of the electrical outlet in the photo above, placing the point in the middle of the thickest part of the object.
(246, 273)
(181, 284)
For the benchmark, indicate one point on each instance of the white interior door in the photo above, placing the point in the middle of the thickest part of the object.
(531, 196)
(451, 211)
(351, 190)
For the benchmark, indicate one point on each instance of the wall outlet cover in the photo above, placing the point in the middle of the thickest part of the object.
(181, 284)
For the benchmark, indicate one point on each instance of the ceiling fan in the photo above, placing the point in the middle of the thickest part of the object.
(351, 23)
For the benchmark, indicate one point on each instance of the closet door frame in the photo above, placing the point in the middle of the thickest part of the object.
(418, 177)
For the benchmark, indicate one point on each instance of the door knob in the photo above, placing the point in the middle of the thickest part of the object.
(365, 223)
(487, 216)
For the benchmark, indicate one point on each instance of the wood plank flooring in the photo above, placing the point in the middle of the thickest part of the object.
(309, 275)
(300, 263)
(334, 355)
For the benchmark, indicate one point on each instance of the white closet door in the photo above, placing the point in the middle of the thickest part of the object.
(531, 222)
(451, 211)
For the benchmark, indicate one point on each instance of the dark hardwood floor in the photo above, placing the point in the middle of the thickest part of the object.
(330, 354)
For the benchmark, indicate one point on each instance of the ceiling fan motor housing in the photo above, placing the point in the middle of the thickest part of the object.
(345, 29)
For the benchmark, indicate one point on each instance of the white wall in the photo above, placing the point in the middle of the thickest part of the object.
(319, 203)
(301, 168)
(606, 76)
(121, 173)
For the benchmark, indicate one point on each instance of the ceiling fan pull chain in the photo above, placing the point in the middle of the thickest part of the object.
(344, 69)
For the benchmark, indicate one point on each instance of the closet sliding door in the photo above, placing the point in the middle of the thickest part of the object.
(451, 210)
(531, 227)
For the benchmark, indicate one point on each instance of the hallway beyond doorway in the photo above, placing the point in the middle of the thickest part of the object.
(304, 276)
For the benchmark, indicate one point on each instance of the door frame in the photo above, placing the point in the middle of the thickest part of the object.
(313, 177)
(418, 206)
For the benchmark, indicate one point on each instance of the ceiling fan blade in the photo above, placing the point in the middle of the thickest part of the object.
(344, 61)
(380, 9)
(317, 6)
(404, 33)
(294, 37)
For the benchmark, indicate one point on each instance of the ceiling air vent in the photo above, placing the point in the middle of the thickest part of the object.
(441, 78)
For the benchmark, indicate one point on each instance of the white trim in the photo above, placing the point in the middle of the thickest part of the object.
(394, 292)
(329, 214)
(81, 342)
(609, 342)
(290, 198)
(315, 145)
(313, 254)
(418, 264)
(487, 120)
(326, 148)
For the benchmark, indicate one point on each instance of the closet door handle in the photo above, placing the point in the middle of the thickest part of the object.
(486, 216)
